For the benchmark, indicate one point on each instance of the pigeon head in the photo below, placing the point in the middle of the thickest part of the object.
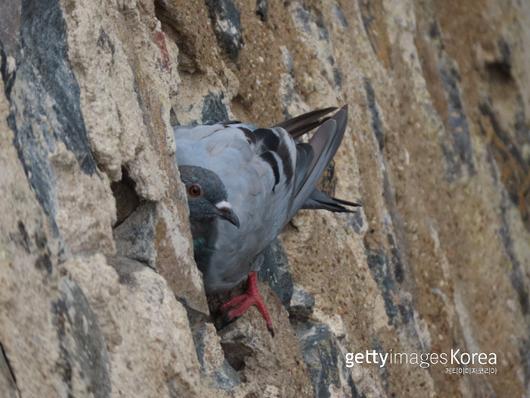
(207, 197)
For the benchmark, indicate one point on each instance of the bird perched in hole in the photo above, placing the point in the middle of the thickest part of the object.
(244, 184)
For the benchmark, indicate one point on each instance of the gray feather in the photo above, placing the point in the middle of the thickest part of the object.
(302, 124)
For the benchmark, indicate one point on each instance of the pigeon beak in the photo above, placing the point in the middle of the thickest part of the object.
(225, 211)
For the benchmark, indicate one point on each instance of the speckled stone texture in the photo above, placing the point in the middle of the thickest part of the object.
(99, 293)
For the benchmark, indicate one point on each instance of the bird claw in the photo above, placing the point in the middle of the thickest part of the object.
(238, 305)
(234, 301)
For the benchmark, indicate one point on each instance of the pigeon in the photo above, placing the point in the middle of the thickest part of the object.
(244, 184)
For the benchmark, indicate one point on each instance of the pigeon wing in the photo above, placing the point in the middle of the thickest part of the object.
(323, 146)
(299, 125)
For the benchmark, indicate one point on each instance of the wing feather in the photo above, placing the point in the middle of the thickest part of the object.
(299, 125)
(324, 144)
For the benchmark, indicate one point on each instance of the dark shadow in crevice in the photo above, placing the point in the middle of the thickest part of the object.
(500, 69)
(236, 353)
(127, 200)
(5, 365)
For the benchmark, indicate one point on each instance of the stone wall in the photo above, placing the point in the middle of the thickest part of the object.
(99, 293)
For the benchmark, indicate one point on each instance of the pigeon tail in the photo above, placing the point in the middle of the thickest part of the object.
(319, 200)
(314, 157)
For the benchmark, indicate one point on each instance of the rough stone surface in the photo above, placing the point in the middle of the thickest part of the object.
(99, 292)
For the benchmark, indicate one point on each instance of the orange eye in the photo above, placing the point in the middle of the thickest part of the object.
(194, 190)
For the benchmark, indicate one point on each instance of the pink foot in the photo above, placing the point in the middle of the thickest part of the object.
(238, 305)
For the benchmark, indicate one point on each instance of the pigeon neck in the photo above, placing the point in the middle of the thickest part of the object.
(204, 236)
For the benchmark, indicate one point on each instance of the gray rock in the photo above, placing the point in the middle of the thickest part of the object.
(262, 9)
(380, 268)
(357, 221)
(213, 364)
(339, 15)
(377, 124)
(82, 347)
(275, 271)
(135, 236)
(301, 304)
(324, 359)
(8, 383)
(457, 147)
(227, 25)
(214, 110)
(43, 76)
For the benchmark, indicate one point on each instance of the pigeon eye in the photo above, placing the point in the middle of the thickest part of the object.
(194, 190)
